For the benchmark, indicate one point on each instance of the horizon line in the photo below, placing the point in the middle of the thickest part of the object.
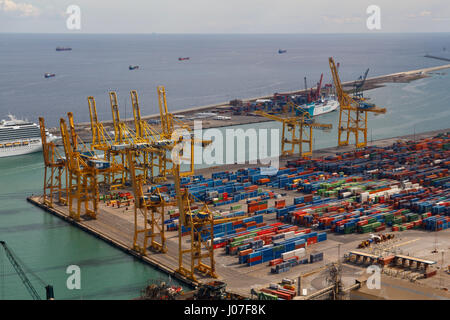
(225, 33)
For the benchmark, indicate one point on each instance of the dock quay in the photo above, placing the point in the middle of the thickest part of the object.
(309, 216)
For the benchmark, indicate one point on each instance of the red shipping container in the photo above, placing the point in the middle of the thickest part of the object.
(274, 262)
(258, 258)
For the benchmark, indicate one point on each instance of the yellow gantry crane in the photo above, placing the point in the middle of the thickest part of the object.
(150, 207)
(54, 170)
(83, 168)
(73, 134)
(82, 180)
(102, 141)
(183, 135)
(300, 120)
(123, 136)
(200, 226)
(155, 155)
(352, 113)
(166, 117)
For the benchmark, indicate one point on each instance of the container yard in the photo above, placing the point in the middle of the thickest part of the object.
(267, 229)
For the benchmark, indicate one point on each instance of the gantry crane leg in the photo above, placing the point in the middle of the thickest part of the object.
(354, 109)
(198, 249)
(54, 169)
(152, 210)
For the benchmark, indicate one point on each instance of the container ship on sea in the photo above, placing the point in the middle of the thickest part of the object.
(18, 137)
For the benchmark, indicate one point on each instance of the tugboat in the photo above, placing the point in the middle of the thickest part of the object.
(133, 67)
(49, 75)
(182, 59)
(63, 49)
(280, 51)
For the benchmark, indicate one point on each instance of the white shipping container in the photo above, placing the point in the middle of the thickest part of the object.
(287, 255)
(364, 196)
(274, 286)
(346, 194)
(301, 252)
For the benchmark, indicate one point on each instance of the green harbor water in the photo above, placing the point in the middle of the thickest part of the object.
(48, 245)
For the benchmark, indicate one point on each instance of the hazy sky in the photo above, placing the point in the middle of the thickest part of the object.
(224, 16)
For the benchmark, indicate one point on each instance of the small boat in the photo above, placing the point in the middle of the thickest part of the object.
(133, 67)
(63, 49)
(49, 75)
(282, 51)
(182, 59)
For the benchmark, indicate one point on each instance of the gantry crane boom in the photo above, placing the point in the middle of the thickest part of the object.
(319, 87)
(46, 147)
(358, 86)
(143, 129)
(168, 122)
(123, 135)
(100, 138)
(26, 282)
(73, 134)
(352, 114)
(137, 115)
(166, 117)
(155, 154)
(118, 136)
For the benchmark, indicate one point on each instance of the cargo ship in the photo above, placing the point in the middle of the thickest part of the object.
(280, 51)
(182, 59)
(19, 137)
(133, 67)
(321, 106)
(63, 49)
(49, 75)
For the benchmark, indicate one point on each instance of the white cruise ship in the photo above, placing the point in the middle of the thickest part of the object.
(19, 137)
